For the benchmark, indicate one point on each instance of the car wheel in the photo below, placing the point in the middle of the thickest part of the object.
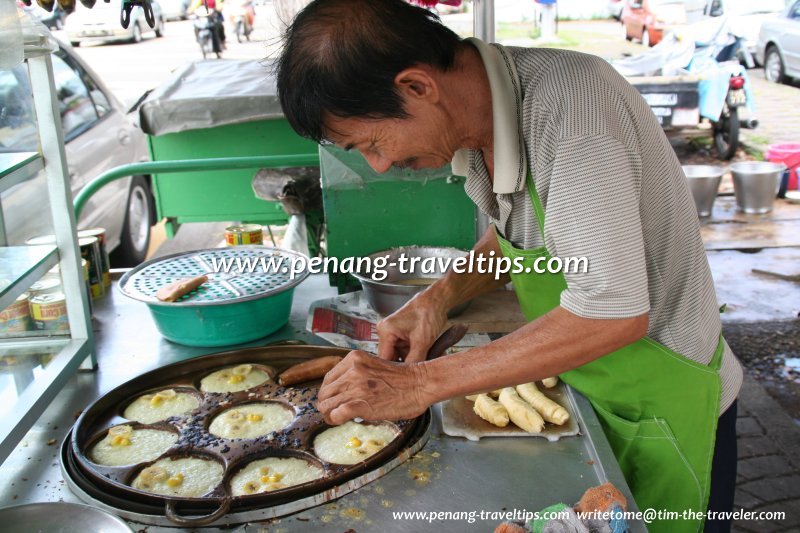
(773, 66)
(645, 38)
(160, 28)
(139, 216)
(137, 33)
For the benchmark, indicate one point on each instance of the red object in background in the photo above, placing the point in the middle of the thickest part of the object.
(789, 155)
(737, 82)
(432, 3)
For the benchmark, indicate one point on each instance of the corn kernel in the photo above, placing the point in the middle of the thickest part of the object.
(265, 479)
(236, 378)
(264, 470)
(156, 400)
(274, 478)
(253, 417)
(175, 480)
(354, 442)
(235, 415)
(120, 440)
(251, 487)
(375, 442)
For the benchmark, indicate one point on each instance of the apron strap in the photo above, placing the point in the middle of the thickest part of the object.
(537, 204)
(716, 361)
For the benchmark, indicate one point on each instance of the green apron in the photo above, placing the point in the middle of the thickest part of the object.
(658, 409)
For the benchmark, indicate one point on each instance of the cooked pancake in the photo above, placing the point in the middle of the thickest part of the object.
(273, 473)
(352, 443)
(233, 379)
(124, 445)
(160, 406)
(251, 420)
(188, 477)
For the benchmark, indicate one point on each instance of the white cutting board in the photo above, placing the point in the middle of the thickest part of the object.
(459, 420)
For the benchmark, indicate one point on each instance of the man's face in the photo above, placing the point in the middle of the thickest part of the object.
(403, 143)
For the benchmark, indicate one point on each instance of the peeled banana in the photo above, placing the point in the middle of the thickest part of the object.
(491, 411)
(550, 410)
(520, 412)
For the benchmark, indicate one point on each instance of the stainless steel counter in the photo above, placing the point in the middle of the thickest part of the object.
(449, 475)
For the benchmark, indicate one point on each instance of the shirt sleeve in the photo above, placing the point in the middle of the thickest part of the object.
(593, 212)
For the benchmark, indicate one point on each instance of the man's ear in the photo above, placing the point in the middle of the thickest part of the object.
(417, 83)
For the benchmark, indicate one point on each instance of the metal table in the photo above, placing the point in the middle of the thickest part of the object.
(449, 475)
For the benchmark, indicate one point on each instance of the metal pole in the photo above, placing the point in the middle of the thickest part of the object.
(191, 165)
(483, 29)
(483, 20)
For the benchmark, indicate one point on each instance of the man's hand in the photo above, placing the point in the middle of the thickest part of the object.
(408, 333)
(365, 386)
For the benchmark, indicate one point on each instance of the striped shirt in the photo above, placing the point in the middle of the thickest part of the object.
(614, 192)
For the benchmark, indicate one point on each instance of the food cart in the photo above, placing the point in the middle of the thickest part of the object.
(469, 485)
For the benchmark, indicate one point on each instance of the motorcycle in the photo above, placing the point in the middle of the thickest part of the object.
(725, 88)
(206, 32)
(241, 17)
(686, 80)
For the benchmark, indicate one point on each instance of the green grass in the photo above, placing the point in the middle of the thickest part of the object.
(517, 30)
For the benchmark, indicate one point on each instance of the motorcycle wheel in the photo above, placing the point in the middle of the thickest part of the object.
(726, 133)
(239, 31)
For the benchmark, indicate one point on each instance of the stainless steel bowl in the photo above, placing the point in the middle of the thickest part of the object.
(395, 285)
(756, 185)
(704, 183)
(60, 517)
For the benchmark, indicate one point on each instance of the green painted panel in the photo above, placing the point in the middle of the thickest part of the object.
(222, 195)
(366, 212)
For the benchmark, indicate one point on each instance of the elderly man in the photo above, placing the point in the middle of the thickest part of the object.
(567, 160)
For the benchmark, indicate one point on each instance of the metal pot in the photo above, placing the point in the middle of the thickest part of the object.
(703, 182)
(756, 185)
(396, 285)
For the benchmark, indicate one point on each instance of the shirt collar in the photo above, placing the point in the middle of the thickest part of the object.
(510, 161)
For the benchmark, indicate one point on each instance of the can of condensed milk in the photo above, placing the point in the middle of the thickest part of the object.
(243, 234)
(49, 312)
(16, 317)
(105, 265)
(46, 285)
(90, 250)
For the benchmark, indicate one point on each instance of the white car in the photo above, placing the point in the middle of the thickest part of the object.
(174, 9)
(778, 47)
(98, 136)
(102, 23)
(745, 16)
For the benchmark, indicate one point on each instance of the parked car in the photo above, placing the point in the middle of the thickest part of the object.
(745, 16)
(102, 23)
(174, 9)
(646, 20)
(778, 46)
(98, 136)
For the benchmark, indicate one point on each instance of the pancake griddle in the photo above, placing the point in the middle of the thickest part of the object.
(112, 484)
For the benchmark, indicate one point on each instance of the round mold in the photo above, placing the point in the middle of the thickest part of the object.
(178, 389)
(212, 416)
(379, 453)
(235, 468)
